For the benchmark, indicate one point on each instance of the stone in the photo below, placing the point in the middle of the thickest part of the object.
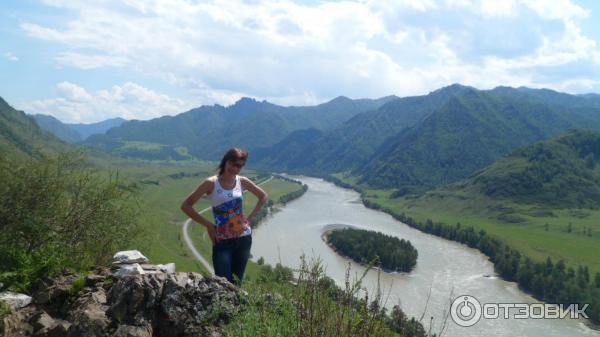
(133, 299)
(149, 267)
(146, 305)
(167, 268)
(191, 303)
(89, 321)
(129, 270)
(15, 300)
(94, 279)
(54, 293)
(42, 323)
(61, 329)
(129, 256)
(133, 331)
(17, 323)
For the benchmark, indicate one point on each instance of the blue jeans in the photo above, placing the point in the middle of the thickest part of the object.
(231, 256)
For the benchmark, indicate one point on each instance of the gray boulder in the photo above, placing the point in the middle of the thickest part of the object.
(129, 270)
(129, 256)
(148, 305)
(15, 300)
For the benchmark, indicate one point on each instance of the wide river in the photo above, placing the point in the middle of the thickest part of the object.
(444, 270)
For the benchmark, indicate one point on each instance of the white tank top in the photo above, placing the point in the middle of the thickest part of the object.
(230, 221)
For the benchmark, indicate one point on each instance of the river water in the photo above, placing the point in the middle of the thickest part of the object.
(444, 269)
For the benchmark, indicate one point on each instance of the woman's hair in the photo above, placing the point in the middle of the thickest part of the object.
(233, 154)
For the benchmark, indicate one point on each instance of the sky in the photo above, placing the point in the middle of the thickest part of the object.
(86, 61)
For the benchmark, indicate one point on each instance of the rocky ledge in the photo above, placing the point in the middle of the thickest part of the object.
(100, 304)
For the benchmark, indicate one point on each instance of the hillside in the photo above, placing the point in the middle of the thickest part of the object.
(467, 133)
(20, 136)
(57, 128)
(86, 130)
(355, 141)
(562, 173)
(206, 131)
(73, 133)
(423, 142)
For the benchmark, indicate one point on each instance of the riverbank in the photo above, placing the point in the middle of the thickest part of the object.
(552, 282)
(271, 206)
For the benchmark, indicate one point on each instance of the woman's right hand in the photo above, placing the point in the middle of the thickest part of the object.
(212, 233)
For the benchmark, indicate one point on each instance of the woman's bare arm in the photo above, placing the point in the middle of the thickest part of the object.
(260, 194)
(188, 207)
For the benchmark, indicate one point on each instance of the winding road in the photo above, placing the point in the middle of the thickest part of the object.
(190, 244)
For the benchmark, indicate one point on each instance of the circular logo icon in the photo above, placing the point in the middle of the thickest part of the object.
(465, 310)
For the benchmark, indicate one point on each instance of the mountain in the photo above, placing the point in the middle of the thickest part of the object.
(206, 132)
(427, 141)
(469, 132)
(20, 136)
(57, 128)
(561, 172)
(72, 133)
(351, 144)
(86, 130)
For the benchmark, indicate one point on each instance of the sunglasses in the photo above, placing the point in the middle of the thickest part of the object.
(238, 164)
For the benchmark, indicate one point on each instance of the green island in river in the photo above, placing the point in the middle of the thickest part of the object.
(365, 247)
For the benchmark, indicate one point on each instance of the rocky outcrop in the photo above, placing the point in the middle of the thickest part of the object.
(156, 304)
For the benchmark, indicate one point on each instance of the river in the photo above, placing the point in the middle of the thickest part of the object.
(444, 269)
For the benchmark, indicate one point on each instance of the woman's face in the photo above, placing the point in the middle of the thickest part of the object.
(234, 167)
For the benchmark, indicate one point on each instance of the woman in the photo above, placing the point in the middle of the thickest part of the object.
(230, 234)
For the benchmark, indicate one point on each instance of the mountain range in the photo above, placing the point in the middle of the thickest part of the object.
(73, 133)
(416, 143)
(428, 141)
(208, 131)
(21, 137)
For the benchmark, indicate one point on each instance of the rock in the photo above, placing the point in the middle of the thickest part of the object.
(94, 279)
(149, 267)
(88, 314)
(42, 323)
(17, 323)
(191, 303)
(15, 300)
(54, 293)
(90, 321)
(129, 270)
(147, 305)
(133, 331)
(133, 299)
(129, 256)
(61, 329)
(167, 268)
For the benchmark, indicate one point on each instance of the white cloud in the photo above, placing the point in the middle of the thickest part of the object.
(75, 104)
(10, 56)
(84, 61)
(290, 53)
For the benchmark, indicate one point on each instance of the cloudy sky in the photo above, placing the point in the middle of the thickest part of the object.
(86, 61)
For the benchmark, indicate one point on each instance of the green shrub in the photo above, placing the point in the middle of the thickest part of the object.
(57, 212)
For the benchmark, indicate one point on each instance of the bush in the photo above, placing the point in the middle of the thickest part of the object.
(56, 212)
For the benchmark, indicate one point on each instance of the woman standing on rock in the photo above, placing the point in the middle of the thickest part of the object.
(231, 233)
